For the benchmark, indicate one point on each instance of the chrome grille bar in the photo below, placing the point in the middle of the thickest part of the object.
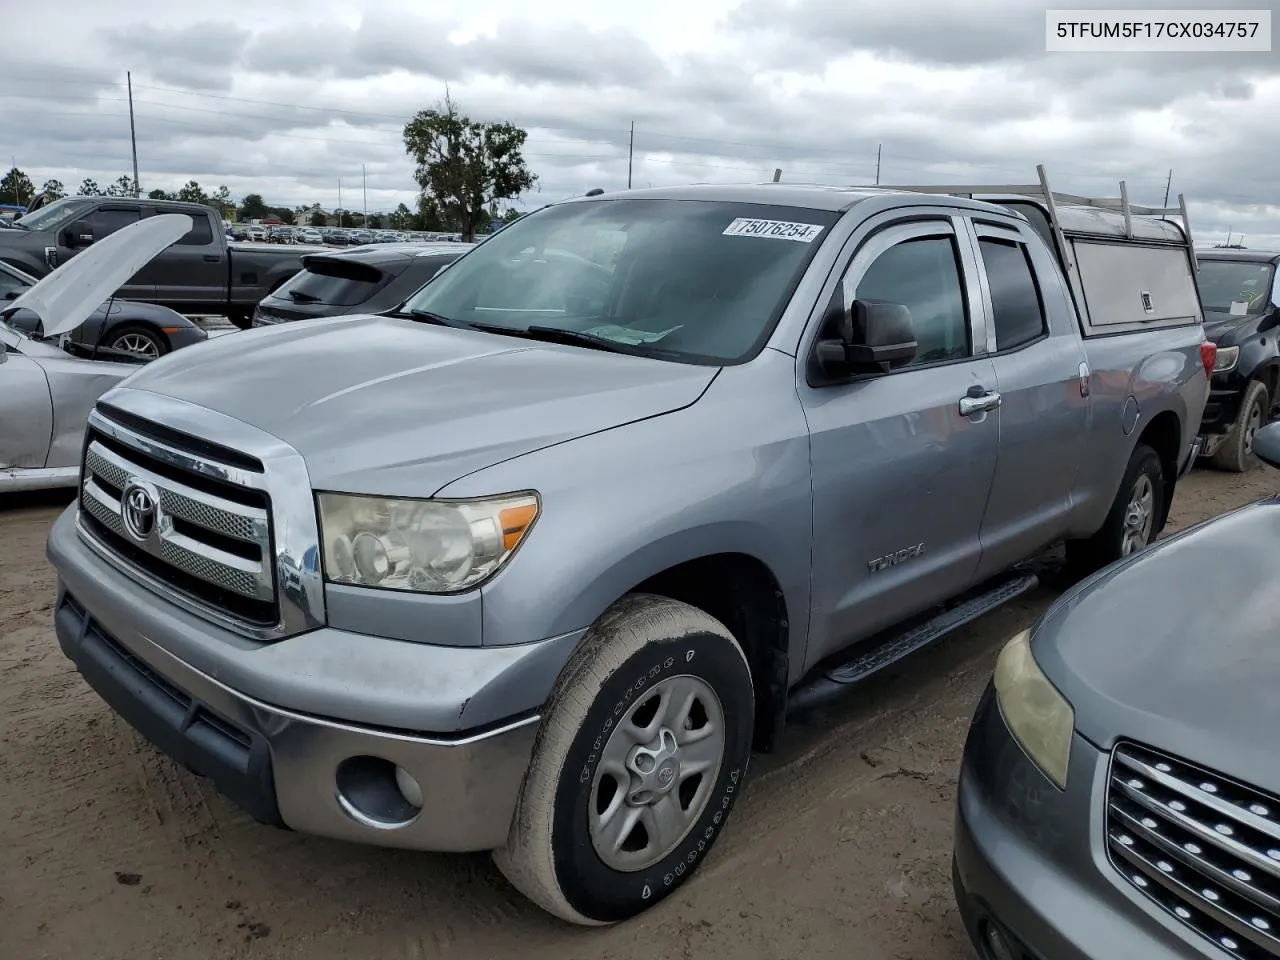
(1204, 847)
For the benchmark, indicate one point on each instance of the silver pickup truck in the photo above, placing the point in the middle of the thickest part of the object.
(533, 566)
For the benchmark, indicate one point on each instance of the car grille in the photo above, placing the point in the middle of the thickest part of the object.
(209, 540)
(1204, 847)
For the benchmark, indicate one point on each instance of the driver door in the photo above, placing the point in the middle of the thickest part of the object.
(101, 223)
(26, 429)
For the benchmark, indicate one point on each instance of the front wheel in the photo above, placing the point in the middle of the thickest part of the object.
(1236, 453)
(1135, 519)
(138, 340)
(640, 756)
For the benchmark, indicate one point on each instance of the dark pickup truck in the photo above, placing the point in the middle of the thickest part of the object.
(200, 274)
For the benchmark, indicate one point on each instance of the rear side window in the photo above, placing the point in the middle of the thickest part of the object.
(333, 283)
(199, 234)
(1015, 300)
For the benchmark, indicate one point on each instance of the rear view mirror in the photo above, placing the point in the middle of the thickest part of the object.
(871, 337)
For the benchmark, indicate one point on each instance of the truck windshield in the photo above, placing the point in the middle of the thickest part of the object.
(54, 215)
(1241, 287)
(691, 280)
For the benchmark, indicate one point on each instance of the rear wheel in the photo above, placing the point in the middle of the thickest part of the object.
(639, 759)
(1236, 453)
(1134, 521)
(242, 319)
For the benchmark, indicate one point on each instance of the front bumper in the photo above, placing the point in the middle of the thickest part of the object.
(329, 773)
(1031, 860)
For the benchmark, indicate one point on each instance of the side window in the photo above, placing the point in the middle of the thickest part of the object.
(1018, 312)
(11, 287)
(108, 220)
(200, 232)
(924, 276)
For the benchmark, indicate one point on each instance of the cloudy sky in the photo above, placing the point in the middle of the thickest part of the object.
(288, 98)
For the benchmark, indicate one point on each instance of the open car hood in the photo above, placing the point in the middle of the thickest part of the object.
(66, 297)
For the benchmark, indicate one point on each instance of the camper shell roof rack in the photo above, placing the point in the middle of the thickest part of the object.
(1069, 213)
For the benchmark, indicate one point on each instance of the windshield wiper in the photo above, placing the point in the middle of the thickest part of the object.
(440, 320)
(573, 337)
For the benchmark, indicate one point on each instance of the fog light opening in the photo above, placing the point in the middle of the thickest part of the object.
(377, 793)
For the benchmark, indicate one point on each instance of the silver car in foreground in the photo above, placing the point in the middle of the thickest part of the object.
(1120, 790)
(533, 567)
(46, 392)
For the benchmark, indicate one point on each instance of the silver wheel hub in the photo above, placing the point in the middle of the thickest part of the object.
(1139, 516)
(656, 773)
(136, 343)
(1251, 427)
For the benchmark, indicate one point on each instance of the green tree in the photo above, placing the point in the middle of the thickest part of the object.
(375, 221)
(345, 219)
(16, 187)
(89, 188)
(430, 217)
(54, 188)
(158, 194)
(401, 218)
(192, 192)
(465, 165)
(121, 186)
(284, 214)
(221, 201)
(318, 219)
(252, 207)
(510, 215)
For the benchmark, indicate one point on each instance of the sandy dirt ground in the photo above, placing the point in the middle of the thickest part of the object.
(840, 848)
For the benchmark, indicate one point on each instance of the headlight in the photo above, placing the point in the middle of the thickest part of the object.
(1037, 715)
(1227, 357)
(423, 546)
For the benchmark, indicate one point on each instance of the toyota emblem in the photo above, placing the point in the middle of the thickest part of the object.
(138, 508)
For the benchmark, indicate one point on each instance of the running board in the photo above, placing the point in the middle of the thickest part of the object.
(836, 680)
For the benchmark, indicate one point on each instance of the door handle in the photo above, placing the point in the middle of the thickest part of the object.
(212, 258)
(980, 404)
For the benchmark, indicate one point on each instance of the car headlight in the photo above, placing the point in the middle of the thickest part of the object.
(1227, 358)
(422, 546)
(1037, 715)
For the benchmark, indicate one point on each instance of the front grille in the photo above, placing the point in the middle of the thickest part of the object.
(1203, 847)
(211, 538)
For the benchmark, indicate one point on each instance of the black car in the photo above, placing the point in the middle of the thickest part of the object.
(146, 329)
(1240, 292)
(368, 279)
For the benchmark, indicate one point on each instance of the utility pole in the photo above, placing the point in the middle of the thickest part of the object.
(133, 136)
(364, 186)
(631, 150)
(777, 174)
(879, 147)
(1168, 184)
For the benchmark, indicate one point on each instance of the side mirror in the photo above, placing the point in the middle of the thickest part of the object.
(1270, 321)
(1266, 444)
(13, 294)
(871, 337)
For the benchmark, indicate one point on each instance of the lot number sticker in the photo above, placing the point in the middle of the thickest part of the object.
(773, 229)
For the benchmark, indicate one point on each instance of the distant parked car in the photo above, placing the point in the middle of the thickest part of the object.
(1240, 291)
(371, 279)
(146, 329)
(309, 235)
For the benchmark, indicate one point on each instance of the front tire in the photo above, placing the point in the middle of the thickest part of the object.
(1134, 521)
(1236, 453)
(139, 340)
(641, 753)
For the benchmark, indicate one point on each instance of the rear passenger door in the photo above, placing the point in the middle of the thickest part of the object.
(194, 271)
(106, 220)
(900, 474)
(1037, 352)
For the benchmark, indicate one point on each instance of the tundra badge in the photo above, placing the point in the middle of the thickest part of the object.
(895, 558)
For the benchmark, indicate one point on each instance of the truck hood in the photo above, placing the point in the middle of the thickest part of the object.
(1179, 647)
(66, 297)
(388, 406)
